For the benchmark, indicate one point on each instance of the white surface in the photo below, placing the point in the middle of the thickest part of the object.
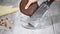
(56, 21)
(20, 30)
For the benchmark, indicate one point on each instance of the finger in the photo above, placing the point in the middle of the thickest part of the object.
(28, 4)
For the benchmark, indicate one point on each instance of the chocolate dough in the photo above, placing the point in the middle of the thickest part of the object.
(32, 8)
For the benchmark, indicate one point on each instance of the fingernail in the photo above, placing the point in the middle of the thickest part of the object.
(26, 7)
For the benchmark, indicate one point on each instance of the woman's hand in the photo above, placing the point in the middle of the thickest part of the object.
(28, 4)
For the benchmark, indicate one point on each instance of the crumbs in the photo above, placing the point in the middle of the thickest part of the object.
(6, 23)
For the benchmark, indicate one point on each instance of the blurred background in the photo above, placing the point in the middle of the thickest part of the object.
(51, 21)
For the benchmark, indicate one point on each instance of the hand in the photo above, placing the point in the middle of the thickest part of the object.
(29, 2)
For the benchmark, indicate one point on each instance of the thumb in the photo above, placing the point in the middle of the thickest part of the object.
(28, 4)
